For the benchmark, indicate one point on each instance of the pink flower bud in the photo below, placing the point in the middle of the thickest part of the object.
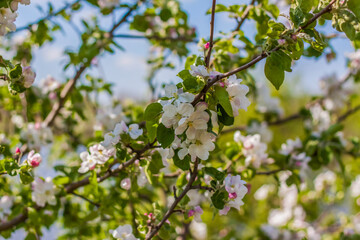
(17, 151)
(126, 183)
(281, 41)
(222, 84)
(191, 213)
(34, 159)
(37, 126)
(232, 195)
(52, 96)
(207, 45)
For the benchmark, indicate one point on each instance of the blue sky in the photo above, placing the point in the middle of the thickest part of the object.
(130, 66)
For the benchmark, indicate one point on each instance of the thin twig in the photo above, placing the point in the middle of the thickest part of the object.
(202, 188)
(86, 199)
(244, 15)
(211, 43)
(348, 114)
(269, 172)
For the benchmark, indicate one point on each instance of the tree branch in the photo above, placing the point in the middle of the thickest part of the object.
(211, 43)
(86, 199)
(258, 58)
(348, 114)
(244, 15)
(153, 231)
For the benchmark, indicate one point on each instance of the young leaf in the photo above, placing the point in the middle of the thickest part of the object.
(165, 135)
(223, 97)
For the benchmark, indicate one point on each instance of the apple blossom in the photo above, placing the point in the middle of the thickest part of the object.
(126, 183)
(34, 159)
(49, 84)
(253, 149)
(237, 190)
(197, 121)
(237, 94)
(7, 19)
(113, 137)
(201, 145)
(196, 213)
(44, 192)
(324, 180)
(15, 4)
(262, 129)
(290, 146)
(176, 115)
(355, 187)
(6, 203)
(37, 135)
(199, 70)
(29, 76)
(98, 155)
(123, 233)
(134, 131)
(171, 91)
(141, 178)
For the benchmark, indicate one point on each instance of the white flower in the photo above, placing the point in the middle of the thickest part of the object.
(262, 129)
(198, 230)
(253, 149)
(108, 3)
(3, 139)
(196, 213)
(7, 19)
(321, 118)
(134, 131)
(236, 189)
(126, 183)
(29, 76)
(34, 159)
(290, 145)
(112, 138)
(37, 135)
(263, 191)
(237, 94)
(200, 70)
(279, 217)
(335, 93)
(141, 178)
(324, 180)
(272, 232)
(44, 192)
(201, 145)
(98, 155)
(171, 91)
(6, 202)
(197, 121)
(108, 117)
(355, 187)
(176, 115)
(49, 84)
(354, 60)
(123, 233)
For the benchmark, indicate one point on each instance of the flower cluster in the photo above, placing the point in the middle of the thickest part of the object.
(29, 76)
(253, 149)
(113, 137)
(49, 85)
(196, 213)
(6, 203)
(33, 159)
(236, 189)
(8, 16)
(37, 135)
(123, 233)
(44, 192)
(98, 155)
(335, 93)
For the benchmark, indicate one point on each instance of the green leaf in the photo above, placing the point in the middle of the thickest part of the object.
(223, 117)
(218, 199)
(223, 98)
(156, 163)
(16, 72)
(354, 6)
(165, 136)
(182, 164)
(94, 182)
(26, 177)
(275, 65)
(189, 81)
(214, 173)
(152, 111)
(151, 128)
(165, 14)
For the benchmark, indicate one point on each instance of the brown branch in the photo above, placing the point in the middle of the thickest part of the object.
(202, 188)
(258, 58)
(244, 15)
(71, 84)
(86, 199)
(269, 172)
(348, 114)
(154, 230)
(158, 38)
(211, 43)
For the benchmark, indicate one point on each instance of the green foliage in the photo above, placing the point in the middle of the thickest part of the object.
(275, 65)
(165, 136)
